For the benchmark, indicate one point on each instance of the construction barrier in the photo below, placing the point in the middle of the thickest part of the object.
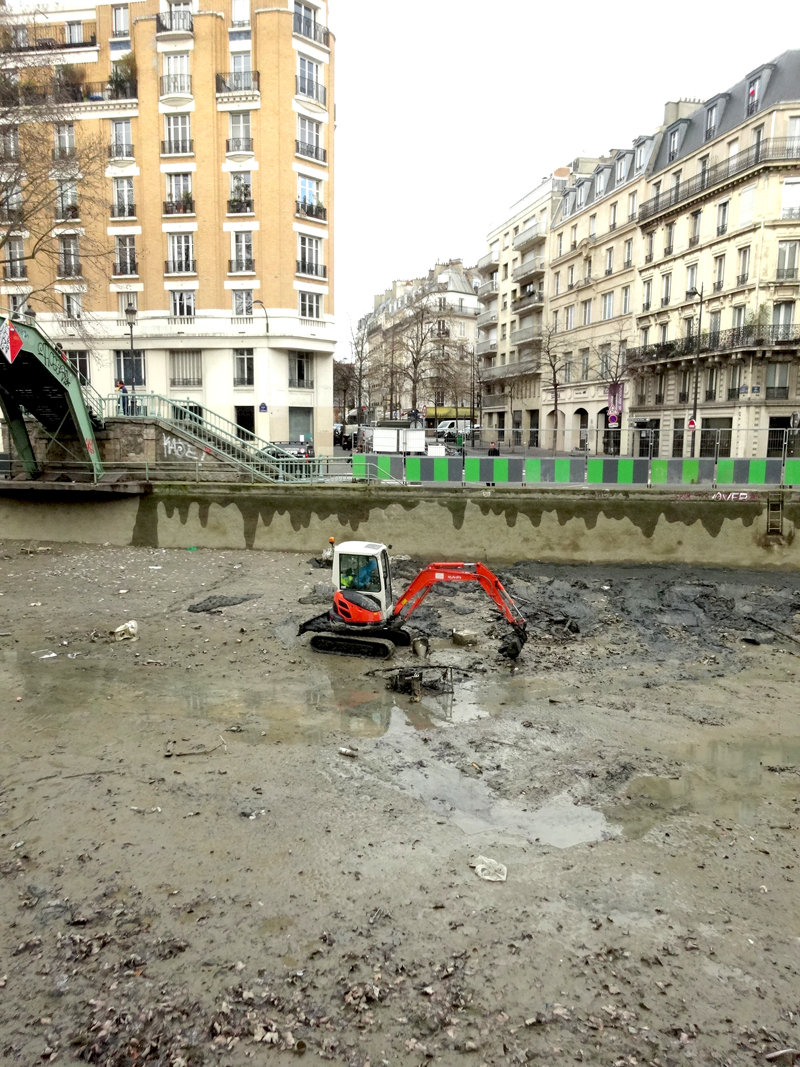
(575, 471)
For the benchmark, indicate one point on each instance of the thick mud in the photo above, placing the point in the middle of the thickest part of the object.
(193, 873)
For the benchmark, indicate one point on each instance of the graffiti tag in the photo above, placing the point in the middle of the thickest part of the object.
(731, 496)
(173, 446)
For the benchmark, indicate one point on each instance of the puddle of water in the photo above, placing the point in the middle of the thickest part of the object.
(730, 782)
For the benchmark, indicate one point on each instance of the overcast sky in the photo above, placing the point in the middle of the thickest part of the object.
(449, 112)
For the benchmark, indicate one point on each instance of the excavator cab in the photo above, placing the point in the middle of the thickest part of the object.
(362, 582)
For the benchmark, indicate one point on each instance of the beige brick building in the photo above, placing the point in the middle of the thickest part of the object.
(219, 209)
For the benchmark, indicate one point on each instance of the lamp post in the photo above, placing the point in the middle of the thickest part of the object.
(130, 318)
(696, 292)
(266, 316)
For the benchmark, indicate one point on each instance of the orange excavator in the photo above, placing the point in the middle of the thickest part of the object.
(365, 619)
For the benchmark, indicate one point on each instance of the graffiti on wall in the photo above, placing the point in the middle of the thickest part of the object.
(177, 449)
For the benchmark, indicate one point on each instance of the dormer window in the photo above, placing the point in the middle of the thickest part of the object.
(620, 171)
(711, 122)
(674, 138)
(754, 95)
(600, 184)
(640, 157)
(581, 195)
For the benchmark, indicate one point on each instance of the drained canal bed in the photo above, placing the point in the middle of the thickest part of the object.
(193, 873)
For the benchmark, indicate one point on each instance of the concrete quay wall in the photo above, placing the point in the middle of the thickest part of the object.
(492, 524)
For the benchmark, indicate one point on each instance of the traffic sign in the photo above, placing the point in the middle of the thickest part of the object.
(692, 425)
(10, 341)
(612, 419)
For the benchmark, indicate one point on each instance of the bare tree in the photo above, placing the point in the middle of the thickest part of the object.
(359, 349)
(343, 386)
(424, 335)
(553, 366)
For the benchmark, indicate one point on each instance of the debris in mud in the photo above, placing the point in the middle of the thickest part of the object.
(490, 870)
(412, 680)
(216, 603)
(129, 631)
(352, 753)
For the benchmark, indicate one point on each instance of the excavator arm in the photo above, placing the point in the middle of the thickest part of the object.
(431, 575)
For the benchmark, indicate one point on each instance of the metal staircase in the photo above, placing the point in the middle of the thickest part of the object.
(261, 459)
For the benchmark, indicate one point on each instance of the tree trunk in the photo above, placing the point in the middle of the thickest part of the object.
(555, 415)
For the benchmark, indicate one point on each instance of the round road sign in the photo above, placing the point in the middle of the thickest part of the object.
(612, 420)
(692, 425)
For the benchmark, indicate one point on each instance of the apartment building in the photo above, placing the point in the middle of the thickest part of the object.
(218, 206)
(420, 342)
(513, 294)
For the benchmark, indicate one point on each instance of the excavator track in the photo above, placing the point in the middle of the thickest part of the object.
(348, 645)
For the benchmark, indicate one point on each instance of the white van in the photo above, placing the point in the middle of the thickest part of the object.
(450, 428)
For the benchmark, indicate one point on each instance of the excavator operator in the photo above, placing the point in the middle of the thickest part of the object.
(363, 576)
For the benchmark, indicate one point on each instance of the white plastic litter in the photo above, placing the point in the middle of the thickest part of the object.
(127, 632)
(44, 653)
(490, 870)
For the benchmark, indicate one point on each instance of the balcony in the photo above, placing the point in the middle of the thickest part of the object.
(790, 213)
(488, 318)
(774, 149)
(718, 286)
(741, 279)
(609, 270)
(172, 85)
(67, 213)
(69, 268)
(120, 150)
(239, 147)
(722, 229)
(786, 274)
(247, 380)
(122, 211)
(611, 227)
(46, 38)
(485, 348)
(11, 216)
(683, 398)
(241, 265)
(309, 28)
(125, 268)
(489, 262)
(528, 270)
(312, 90)
(312, 270)
(301, 383)
(665, 301)
(243, 206)
(488, 290)
(694, 241)
(494, 402)
(184, 206)
(645, 306)
(733, 393)
(649, 257)
(669, 249)
(15, 270)
(186, 383)
(527, 335)
(177, 146)
(311, 211)
(711, 395)
(61, 153)
(527, 238)
(627, 264)
(238, 81)
(711, 132)
(777, 392)
(527, 300)
(753, 106)
(180, 266)
(641, 399)
(178, 23)
(311, 151)
(659, 398)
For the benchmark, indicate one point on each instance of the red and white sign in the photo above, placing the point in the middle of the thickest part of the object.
(612, 419)
(692, 425)
(10, 341)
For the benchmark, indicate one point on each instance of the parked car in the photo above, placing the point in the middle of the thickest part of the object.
(449, 429)
(337, 433)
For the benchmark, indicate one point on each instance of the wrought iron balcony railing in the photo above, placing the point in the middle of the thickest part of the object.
(176, 84)
(184, 206)
(242, 206)
(120, 150)
(174, 22)
(15, 270)
(241, 265)
(312, 151)
(123, 211)
(309, 28)
(315, 270)
(180, 266)
(311, 211)
(786, 274)
(238, 81)
(239, 144)
(718, 286)
(741, 279)
(126, 267)
(178, 146)
(777, 392)
(311, 88)
(69, 268)
(301, 383)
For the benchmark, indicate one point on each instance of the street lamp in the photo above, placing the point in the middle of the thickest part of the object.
(130, 318)
(690, 293)
(266, 316)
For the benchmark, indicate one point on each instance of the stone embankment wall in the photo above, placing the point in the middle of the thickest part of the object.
(502, 525)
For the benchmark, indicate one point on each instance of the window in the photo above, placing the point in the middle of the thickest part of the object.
(123, 206)
(309, 190)
(609, 261)
(719, 273)
(711, 122)
(666, 289)
(620, 170)
(645, 336)
(599, 184)
(647, 295)
(584, 364)
(783, 319)
(787, 260)
(593, 225)
(612, 217)
(121, 142)
(69, 263)
(178, 134)
(605, 361)
(626, 299)
(309, 138)
(557, 282)
(676, 179)
(181, 253)
(74, 33)
(309, 82)
(790, 203)
(793, 132)
(176, 73)
(669, 238)
(581, 194)
(182, 303)
(72, 305)
(126, 300)
(569, 317)
(691, 278)
(560, 245)
(186, 369)
(777, 379)
(747, 206)
(567, 368)
(674, 138)
(640, 157)
(64, 133)
(129, 367)
(243, 366)
(240, 140)
(628, 253)
(694, 228)
(574, 236)
(555, 321)
(301, 370)
(753, 95)
(506, 240)
(722, 218)
(125, 255)
(179, 194)
(587, 263)
(241, 77)
(714, 323)
(15, 266)
(119, 20)
(733, 147)
(240, 12)
(608, 305)
(663, 333)
(650, 245)
(570, 277)
(67, 199)
(79, 361)
(243, 302)
(586, 312)
(242, 251)
(241, 201)
(633, 205)
(310, 248)
(311, 306)
(739, 313)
